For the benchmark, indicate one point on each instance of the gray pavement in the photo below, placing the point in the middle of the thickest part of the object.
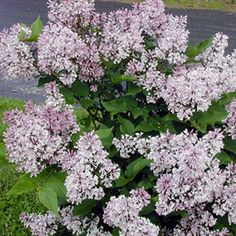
(201, 23)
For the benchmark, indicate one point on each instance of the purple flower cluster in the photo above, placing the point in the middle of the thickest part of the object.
(197, 223)
(39, 135)
(58, 50)
(89, 171)
(48, 223)
(40, 224)
(77, 40)
(78, 225)
(230, 121)
(193, 87)
(71, 13)
(189, 177)
(123, 212)
(16, 57)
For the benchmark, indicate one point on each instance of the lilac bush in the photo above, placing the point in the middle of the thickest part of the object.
(150, 150)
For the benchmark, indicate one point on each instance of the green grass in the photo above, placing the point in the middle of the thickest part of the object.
(11, 207)
(223, 5)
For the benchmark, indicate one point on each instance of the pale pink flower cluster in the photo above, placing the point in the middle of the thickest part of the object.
(121, 36)
(48, 223)
(63, 53)
(77, 40)
(215, 53)
(124, 31)
(59, 48)
(126, 145)
(172, 46)
(89, 170)
(16, 57)
(71, 13)
(90, 65)
(225, 204)
(189, 177)
(78, 225)
(197, 223)
(123, 212)
(230, 121)
(193, 87)
(151, 15)
(40, 224)
(39, 135)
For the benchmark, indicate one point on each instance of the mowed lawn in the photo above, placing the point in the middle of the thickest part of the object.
(224, 5)
(11, 207)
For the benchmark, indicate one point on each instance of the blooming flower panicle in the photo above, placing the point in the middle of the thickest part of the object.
(58, 50)
(16, 57)
(39, 135)
(198, 224)
(230, 121)
(78, 225)
(123, 212)
(40, 224)
(173, 40)
(72, 13)
(48, 223)
(121, 36)
(89, 171)
(215, 53)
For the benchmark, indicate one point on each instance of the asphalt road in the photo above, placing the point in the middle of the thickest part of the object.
(201, 23)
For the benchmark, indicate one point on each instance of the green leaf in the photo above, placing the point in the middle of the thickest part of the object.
(199, 126)
(81, 113)
(25, 184)
(149, 42)
(86, 103)
(85, 207)
(216, 113)
(123, 104)
(224, 158)
(151, 124)
(36, 29)
(56, 183)
(126, 126)
(222, 222)
(230, 145)
(133, 89)
(122, 181)
(193, 51)
(130, 101)
(166, 123)
(44, 80)
(68, 95)
(21, 187)
(115, 106)
(115, 232)
(146, 184)
(119, 78)
(80, 89)
(147, 210)
(106, 136)
(226, 98)
(136, 166)
(140, 112)
(48, 197)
